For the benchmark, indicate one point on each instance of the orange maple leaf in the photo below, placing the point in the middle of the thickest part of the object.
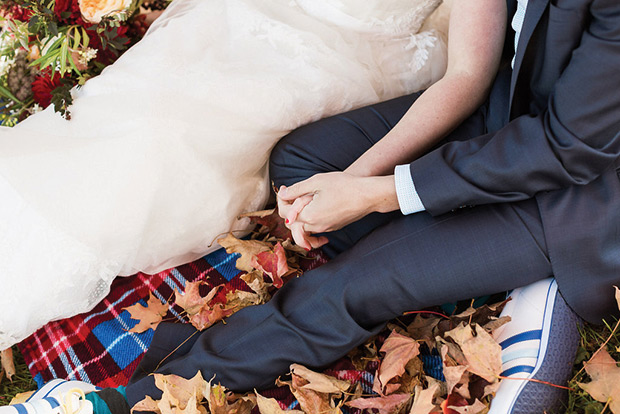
(272, 222)
(209, 315)
(273, 263)
(191, 301)
(247, 248)
(149, 316)
(399, 350)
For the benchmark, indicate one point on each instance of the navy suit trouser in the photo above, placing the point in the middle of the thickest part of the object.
(383, 265)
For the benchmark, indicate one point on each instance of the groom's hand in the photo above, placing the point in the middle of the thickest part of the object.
(289, 211)
(330, 201)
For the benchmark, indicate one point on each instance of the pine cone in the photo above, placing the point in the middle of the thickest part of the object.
(156, 4)
(20, 78)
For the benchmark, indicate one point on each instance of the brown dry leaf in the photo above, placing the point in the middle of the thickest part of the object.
(423, 399)
(8, 364)
(191, 301)
(422, 328)
(192, 407)
(241, 404)
(147, 404)
(273, 263)
(453, 400)
(218, 403)
(390, 404)
(149, 316)
(453, 376)
(491, 389)
(453, 353)
(399, 350)
(178, 391)
(209, 315)
(605, 384)
(272, 222)
(309, 400)
(475, 408)
(482, 352)
(292, 247)
(320, 382)
(256, 282)
(247, 248)
(495, 323)
(271, 406)
(406, 384)
(240, 299)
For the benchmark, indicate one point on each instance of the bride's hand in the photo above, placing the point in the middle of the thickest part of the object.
(289, 210)
(337, 199)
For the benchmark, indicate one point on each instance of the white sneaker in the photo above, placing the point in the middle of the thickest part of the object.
(540, 342)
(56, 397)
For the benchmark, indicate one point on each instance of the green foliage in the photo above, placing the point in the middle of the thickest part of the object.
(57, 45)
(62, 99)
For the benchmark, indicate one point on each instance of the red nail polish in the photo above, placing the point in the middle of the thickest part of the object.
(286, 221)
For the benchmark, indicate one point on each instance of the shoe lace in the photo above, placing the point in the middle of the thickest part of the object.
(67, 400)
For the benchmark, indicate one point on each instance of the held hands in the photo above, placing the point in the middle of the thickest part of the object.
(330, 201)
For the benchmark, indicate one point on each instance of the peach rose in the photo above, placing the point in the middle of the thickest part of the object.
(94, 10)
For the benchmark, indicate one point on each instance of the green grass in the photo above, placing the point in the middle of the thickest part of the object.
(22, 380)
(579, 402)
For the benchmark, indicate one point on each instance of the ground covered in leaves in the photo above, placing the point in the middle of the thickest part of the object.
(471, 360)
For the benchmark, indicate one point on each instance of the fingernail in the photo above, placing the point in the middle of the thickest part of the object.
(282, 192)
(307, 249)
(286, 221)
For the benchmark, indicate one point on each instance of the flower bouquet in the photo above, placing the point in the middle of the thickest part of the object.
(48, 47)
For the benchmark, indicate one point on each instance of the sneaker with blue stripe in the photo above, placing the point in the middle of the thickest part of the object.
(56, 397)
(540, 342)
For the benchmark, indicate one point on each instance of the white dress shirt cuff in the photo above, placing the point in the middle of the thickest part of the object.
(408, 198)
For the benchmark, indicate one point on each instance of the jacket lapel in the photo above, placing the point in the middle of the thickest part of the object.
(533, 13)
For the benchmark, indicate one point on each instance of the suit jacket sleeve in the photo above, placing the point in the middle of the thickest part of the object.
(571, 142)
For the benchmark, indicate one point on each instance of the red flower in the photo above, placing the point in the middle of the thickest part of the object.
(12, 11)
(71, 10)
(42, 88)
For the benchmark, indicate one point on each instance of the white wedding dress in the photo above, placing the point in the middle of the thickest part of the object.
(169, 144)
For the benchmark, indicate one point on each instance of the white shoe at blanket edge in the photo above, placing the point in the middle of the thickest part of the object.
(539, 342)
(58, 396)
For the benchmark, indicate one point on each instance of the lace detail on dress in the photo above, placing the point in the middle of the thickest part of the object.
(45, 274)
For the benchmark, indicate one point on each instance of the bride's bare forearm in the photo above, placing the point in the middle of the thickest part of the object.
(435, 113)
(476, 39)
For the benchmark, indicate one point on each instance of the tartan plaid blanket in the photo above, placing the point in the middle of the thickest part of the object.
(98, 348)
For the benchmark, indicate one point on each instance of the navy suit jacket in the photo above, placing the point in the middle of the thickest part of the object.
(554, 135)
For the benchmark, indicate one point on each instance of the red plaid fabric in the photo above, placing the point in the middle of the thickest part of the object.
(97, 346)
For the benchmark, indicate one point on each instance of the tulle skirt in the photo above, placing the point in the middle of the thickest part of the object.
(170, 143)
